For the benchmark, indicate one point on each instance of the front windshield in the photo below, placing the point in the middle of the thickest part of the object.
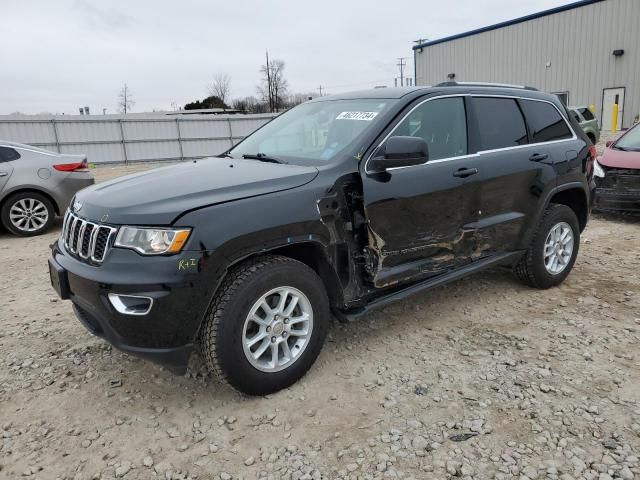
(630, 141)
(314, 133)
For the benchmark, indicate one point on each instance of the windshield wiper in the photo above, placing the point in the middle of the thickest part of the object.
(262, 157)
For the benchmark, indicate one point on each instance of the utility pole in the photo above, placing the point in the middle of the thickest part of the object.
(320, 90)
(402, 63)
(269, 87)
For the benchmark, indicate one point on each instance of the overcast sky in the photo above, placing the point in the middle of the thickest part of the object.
(57, 55)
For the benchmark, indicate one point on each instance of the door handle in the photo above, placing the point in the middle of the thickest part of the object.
(538, 157)
(465, 172)
(3, 174)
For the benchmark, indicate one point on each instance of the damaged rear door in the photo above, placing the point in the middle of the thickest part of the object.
(417, 216)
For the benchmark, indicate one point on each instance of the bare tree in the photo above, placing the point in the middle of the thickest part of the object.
(298, 98)
(248, 105)
(220, 87)
(273, 88)
(125, 100)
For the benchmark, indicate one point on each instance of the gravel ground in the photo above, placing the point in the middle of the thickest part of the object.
(483, 378)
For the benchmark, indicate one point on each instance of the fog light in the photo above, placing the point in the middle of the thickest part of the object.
(131, 304)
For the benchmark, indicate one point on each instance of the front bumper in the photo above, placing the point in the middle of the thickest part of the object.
(166, 334)
(615, 200)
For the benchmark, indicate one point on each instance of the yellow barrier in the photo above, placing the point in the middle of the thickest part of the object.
(614, 118)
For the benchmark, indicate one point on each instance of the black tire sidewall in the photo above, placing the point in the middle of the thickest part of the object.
(6, 207)
(229, 340)
(557, 214)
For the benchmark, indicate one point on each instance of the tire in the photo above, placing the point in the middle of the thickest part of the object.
(592, 137)
(533, 267)
(39, 207)
(228, 327)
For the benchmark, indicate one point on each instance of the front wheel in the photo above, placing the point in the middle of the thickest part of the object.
(553, 249)
(266, 325)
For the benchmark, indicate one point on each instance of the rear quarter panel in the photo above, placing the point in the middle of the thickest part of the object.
(34, 171)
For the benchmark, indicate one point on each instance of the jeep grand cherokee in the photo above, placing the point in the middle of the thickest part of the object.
(340, 205)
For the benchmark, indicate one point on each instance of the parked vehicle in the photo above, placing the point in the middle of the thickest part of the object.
(617, 174)
(36, 185)
(340, 205)
(587, 122)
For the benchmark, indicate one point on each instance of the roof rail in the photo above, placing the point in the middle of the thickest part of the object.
(483, 84)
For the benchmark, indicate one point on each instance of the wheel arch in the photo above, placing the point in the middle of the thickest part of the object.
(44, 193)
(575, 198)
(314, 255)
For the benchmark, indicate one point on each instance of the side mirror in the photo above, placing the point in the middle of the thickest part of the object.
(401, 152)
(609, 143)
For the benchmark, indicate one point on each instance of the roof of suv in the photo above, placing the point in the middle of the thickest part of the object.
(449, 87)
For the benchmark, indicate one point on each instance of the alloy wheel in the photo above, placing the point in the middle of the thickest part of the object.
(558, 248)
(277, 329)
(28, 214)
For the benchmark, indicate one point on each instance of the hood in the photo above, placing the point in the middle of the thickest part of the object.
(159, 196)
(620, 159)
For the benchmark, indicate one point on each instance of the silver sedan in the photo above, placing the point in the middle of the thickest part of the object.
(36, 185)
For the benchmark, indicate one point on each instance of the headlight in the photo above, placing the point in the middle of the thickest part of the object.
(598, 171)
(152, 241)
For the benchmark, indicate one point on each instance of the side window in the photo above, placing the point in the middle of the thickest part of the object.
(500, 123)
(586, 113)
(7, 154)
(443, 125)
(545, 122)
(575, 116)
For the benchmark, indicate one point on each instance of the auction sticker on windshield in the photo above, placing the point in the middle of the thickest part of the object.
(366, 116)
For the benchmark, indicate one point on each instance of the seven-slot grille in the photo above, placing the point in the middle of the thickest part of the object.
(87, 240)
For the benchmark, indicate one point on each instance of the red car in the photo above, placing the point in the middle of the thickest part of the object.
(617, 174)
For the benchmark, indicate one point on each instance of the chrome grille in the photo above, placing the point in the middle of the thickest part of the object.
(85, 239)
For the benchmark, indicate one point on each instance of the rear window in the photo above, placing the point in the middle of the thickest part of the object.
(7, 154)
(545, 122)
(576, 117)
(500, 123)
(586, 113)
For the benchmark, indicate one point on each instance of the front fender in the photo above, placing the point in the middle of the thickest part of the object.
(225, 234)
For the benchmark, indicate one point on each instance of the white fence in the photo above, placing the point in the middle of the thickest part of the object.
(134, 137)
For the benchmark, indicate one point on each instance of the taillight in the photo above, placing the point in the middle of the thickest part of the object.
(82, 166)
(590, 159)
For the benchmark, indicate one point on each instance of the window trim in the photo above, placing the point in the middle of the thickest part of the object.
(476, 154)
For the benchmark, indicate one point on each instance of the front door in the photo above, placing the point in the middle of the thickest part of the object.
(611, 96)
(417, 216)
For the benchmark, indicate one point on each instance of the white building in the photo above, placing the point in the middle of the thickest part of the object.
(587, 52)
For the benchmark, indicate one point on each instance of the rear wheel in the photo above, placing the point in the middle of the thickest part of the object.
(266, 325)
(27, 214)
(592, 137)
(553, 250)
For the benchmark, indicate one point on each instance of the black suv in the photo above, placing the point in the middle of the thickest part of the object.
(340, 205)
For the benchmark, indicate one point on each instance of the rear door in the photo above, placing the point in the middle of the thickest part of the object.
(417, 216)
(515, 166)
(7, 154)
